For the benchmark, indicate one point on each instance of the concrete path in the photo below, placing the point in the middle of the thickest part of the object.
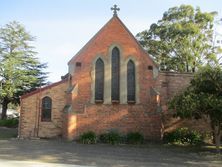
(57, 153)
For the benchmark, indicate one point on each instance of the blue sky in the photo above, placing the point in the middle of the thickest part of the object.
(62, 27)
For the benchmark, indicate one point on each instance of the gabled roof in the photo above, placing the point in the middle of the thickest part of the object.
(44, 88)
(91, 41)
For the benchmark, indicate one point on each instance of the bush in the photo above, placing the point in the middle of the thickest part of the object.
(10, 123)
(111, 137)
(88, 138)
(134, 138)
(183, 136)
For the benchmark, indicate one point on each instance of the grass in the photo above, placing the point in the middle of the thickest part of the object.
(211, 148)
(7, 133)
(10, 123)
(204, 148)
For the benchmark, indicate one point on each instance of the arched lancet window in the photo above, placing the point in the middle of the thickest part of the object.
(99, 80)
(46, 108)
(131, 82)
(115, 74)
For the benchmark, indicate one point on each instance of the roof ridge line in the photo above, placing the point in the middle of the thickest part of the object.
(43, 88)
(91, 39)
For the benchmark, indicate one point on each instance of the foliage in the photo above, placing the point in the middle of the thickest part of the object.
(134, 138)
(182, 40)
(13, 106)
(111, 137)
(88, 138)
(10, 123)
(20, 70)
(202, 99)
(183, 136)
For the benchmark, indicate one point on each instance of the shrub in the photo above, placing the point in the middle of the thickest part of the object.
(10, 123)
(111, 137)
(103, 138)
(88, 138)
(183, 136)
(134, 138)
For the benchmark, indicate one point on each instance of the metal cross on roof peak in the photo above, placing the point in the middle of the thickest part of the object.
(115, 9)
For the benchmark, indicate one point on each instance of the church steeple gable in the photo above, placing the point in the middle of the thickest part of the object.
(114, 31)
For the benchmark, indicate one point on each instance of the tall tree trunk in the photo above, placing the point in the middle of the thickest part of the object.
(4, 108)
(194, 67)
(217, 137)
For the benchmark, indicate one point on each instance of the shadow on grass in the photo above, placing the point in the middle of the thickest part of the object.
(194, 148)
(62, 152)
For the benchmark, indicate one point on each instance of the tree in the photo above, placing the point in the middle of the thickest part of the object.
(20, 70)
(202, 99)
(182, 40)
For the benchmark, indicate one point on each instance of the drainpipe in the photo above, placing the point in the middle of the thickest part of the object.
(20, 117)
(37, 99)
(40, 93)
(37, 114)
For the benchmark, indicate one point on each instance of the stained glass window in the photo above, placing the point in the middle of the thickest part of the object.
(115, 74)
(99, 80)
(131, 86)
(46, 108)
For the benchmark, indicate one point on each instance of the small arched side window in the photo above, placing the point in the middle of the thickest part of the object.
(99, 80)
(115, 89)
(131, 82)
(46, 109)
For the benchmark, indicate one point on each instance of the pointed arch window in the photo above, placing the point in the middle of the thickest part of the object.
(131, 82)
(115, 80)
(99, 80)
(46, 109)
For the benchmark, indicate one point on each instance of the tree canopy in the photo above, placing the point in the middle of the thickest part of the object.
(20, 70)
(202, 99)
(182, 40)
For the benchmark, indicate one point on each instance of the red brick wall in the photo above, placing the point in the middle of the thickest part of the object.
(123, 118)
(30, 114)
(169, 84)
(141, 117)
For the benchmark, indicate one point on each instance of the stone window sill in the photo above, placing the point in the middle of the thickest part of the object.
(98, 101)
(46, 120)
(115, 101)
(131, 102)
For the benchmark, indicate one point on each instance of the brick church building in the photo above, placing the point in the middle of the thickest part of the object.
(112, 84)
